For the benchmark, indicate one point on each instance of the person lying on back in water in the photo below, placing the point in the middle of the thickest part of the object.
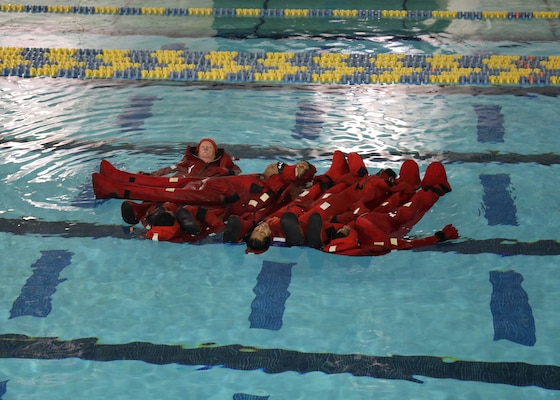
(369, 193)
(233, 194)
(344, 171)
(376, 233)
(205, 159)
(277, 225)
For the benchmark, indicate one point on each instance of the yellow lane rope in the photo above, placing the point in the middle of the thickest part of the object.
(283, 12)
(280, 67)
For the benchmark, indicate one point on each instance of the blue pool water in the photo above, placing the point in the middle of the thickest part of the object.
(92, 310)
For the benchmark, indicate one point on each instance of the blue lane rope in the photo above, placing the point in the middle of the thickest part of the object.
(284, 12)
(280, 67)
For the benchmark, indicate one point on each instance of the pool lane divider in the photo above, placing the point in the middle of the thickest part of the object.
(35, 297)
(250, 151)
(280, 67)
(280, 12)
(267, 308)
(276, 360)
(74, 229)
(511, 312)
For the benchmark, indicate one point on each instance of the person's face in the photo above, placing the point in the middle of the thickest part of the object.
(301, 167)
(261, 231)
(274, 168)
(206, 151)
(271, 169)
(345, 230)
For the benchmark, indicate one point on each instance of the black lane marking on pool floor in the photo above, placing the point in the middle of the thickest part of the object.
(69, 229)
(512, 314)
(498, 203)
(36, 295)
(244, 151)
(275, 361)
(271, 293)
(490, 126)
(310, 118)
(138, 111)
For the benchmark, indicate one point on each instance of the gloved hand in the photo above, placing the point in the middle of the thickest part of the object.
(324, 181)
(449, 232)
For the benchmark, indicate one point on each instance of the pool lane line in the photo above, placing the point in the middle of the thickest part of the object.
(498, 204)
(247, 396)
(512, 314)
(70, 229)
(271, 293)
(35, 298)
(309, 120)
(282, 12)
(275, 361)
(498, 246)
(66, 229)
(252, 152)
(139, 109)
(490, 123)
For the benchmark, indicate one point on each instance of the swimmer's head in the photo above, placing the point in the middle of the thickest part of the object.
(259, 239)
(207, 150)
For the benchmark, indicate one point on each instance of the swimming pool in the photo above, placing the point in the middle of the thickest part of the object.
(92, 310)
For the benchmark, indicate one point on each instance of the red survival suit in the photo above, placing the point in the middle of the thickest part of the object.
(342, 172)
(192, 165)
(239, 193)
(193, 169)
(190, 168)
(221, 196)
(409, 177)
(368, 193)
(377, 233)
(209, 220)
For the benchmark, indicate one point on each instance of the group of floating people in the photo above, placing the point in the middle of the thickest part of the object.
(345, 211)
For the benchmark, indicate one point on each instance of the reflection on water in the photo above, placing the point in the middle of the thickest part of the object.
(56, 131)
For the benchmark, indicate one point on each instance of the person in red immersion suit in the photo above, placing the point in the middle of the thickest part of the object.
(376, 233)
(197, 219)
(342, 172)
(409, 174)
(212, 162)
(203, 160)
(168, 224)
(260, 237)
(217, 197)
(372, 191)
